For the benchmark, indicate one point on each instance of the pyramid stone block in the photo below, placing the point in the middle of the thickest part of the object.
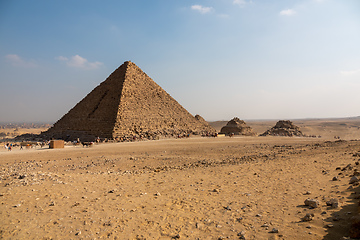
(127, 104)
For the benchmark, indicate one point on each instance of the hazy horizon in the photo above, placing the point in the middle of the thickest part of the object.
(253, 59)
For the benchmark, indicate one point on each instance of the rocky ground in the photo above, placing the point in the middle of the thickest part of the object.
(197, 188)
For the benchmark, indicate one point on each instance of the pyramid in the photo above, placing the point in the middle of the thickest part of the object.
(284, 128)
(237, 127)
(127, 105)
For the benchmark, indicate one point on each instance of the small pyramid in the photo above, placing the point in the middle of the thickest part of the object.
(284, 128)
(127, 105)
(237, 127)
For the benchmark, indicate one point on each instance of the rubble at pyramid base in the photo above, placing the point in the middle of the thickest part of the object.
(146, 135)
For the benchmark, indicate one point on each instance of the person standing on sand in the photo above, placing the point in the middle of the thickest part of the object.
(21, 145)
(5, 146)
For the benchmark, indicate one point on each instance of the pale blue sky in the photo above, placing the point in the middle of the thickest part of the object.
(256, 59)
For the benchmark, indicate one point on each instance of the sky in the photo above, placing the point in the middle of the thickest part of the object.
(253, 59)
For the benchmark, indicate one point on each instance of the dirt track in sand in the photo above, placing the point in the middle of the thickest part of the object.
(197, 188)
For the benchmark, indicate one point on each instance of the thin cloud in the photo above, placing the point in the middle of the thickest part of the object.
(223, 15)
(288, 12)
(61, 58)
(79, 62)
(17, 61)
(350, 73)
(241, 3)
(201, 9)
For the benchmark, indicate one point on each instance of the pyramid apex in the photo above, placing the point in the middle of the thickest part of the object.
(128, 63)
(125, 66)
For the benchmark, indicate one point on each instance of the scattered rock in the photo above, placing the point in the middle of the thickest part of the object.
(274, 230)
(308, 217)
(311, 203)
(354, 179)
(348, 167)
(198, 225)
(239, 219)
(357, 154)
(241, 234)
(228, 208)
(329, 225)
(107, 224)
(335, 178)
(336, 218)
(333, 203)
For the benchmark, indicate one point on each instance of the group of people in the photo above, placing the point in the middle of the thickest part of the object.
(8, 146)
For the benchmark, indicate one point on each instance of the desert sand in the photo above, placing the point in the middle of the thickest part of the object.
(194, 188)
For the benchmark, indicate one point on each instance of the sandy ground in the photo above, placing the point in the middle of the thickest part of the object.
(197, 188)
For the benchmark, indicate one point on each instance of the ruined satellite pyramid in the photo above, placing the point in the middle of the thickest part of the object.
(283, 128)
(237, 127)
(127, 105)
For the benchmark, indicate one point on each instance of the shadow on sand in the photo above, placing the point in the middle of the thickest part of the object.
(340, 221)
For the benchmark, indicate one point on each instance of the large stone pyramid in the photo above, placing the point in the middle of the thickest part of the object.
(127, 105)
